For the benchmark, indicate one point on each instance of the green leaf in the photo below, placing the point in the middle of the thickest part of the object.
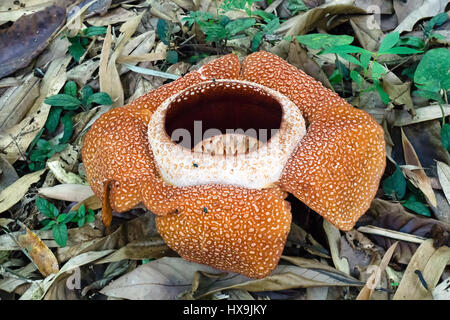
(69, 217)
(296, 6)
(82, 210)
(85, 93)
(335, 77)
(63, 100)
(433, 70)
(46, 208)
(356, 77)
(346, 49)
(389, 41)
(100, 98)
(48, 224)
(412, 42)
(198, 17)
(349, 58)
(76, 49)
(318, 41)
(445, 136)
(365, 59)
(53, 119)
(71, 89)
(416, 206)
(400, 50)
(377, 70)
(68, 128)
(214, 32)
(94, 31)
(432, 95)
(172, 56)
(434, 22)
(267, 16)
(271, 26)
(90, 217)
(239, 25)
(81, 221)
(161, 31)
(59, 232)
(395, 185)
(383, 94)
(256, 41)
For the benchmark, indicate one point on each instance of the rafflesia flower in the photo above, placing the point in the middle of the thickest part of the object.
(219, 195)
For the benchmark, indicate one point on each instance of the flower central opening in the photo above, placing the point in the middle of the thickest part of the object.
(235, 114)
(225, 132)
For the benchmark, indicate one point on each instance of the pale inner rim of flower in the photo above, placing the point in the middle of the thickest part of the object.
(263, 123)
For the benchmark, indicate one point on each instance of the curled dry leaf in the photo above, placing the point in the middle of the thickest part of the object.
(427, 8)
(423, 272)
(41, 255)
(394, 216)
(404, 118)
(334, 240)
(418, 177)
(12, 194)
(443, 171)
(67, 192)
(28, 37)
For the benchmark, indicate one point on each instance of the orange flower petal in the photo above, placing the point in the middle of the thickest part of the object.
(337, 167)
(231, 228)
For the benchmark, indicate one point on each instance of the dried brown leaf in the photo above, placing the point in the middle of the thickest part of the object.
(41, 255)
(28, 37)
(418, 177)
(394, 216)
(430, 263)
(12, 194)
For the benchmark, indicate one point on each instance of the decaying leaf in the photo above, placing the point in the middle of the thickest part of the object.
(427, 8)
(423, 272)
(418, 177)
(27, 37)
(39, 288)
(443, 171)
(41, 255)
(334, 240)
(16, 140)
(394, 216)
(171, 278)
(12, 194)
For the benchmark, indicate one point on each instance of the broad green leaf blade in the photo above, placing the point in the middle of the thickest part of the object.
(94, 31)
(59, 232)
(62, 100)
(68, 128)
(377, 70)
(318, 41)
(395, 185)
(445, 136)
(416, 206)
(100, 98)
(71, 89)
(53, 119)
(239, 25)
(161, 31)
(400, 50)
(356, 77)
(172, 56)
(389, 41)
(346, 49)
(46, 208)
(433, 70)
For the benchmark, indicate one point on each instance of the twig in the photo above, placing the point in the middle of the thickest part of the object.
(391, 234)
